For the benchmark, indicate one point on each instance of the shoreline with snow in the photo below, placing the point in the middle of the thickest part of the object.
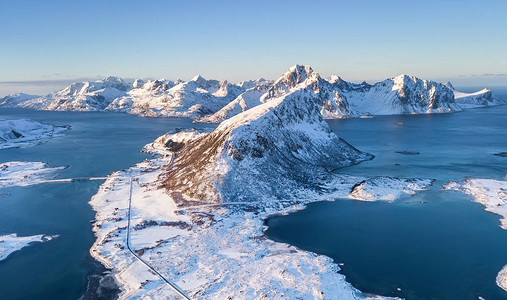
(24, 173)
(492, 194)
(25, 132)
(226, 240)
(12, 242)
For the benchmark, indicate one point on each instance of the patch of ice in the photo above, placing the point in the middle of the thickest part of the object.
(23, 173)
(387, 188)
(12, 242)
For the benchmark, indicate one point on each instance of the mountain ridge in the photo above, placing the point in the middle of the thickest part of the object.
(212, 101)
(281, 145)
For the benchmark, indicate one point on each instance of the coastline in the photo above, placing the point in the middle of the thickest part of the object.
(491, 194)
(12, 243)
(227, 246)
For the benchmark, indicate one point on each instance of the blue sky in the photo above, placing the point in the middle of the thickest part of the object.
(46, 43)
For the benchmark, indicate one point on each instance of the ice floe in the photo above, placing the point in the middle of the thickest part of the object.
(23, 173)
(12, 242)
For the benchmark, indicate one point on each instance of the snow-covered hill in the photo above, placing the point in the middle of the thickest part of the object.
(401, 95)
(480, 98)
(193, 98)
(81, 96)
(16, 99)
(277, 147)
(21, 132)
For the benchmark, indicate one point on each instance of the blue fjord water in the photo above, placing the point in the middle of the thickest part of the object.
(448, 248)
(98, 144)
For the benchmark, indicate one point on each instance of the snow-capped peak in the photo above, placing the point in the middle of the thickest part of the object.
(113, 79)
(138, 83)
(449, 85)
(298, 74)
(404, 79)
(198, 79)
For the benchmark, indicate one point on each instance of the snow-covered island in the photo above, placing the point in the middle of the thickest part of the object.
(23, 132)
(214, 101)
(196, 212)
(23, 173)
(492, 194)
(12, 242)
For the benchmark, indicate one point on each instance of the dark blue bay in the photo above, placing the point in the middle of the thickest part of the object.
(447, 248)
(98, 144)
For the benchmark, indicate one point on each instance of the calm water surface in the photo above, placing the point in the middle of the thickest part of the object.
(447, 248)
(98, 144)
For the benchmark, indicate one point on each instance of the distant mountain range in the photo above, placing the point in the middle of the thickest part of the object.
(214, 101)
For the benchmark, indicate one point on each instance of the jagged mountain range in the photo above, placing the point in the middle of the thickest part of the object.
(214, 101)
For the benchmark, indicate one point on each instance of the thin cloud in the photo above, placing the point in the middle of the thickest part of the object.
(492, 75)
(47, 82)
(484, 75)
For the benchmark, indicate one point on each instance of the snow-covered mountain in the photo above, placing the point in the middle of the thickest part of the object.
(193, 98)
(81, 96)
(214, 101)
(339, 98)
(278, 147)
(401, 95)
(16, 99)
(295, 78)
(480, 98)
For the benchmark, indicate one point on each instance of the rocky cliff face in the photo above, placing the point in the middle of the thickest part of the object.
(401, 95)
(340, 99)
